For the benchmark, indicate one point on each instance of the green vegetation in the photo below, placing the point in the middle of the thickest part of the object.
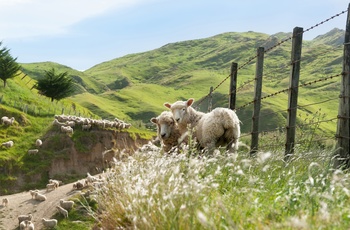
(9, 68)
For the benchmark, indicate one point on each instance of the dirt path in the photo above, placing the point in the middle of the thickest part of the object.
(22, 203)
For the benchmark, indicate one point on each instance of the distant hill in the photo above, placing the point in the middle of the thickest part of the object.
(134, 87)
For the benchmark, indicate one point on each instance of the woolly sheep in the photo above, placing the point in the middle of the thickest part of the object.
(3, 119)
(5, 202)
(39, 197)
(24, 217)
(220, 127)
(30, 225)
(8, 121)
(78, 185)
(66, 204)
(7, 144)
(38, 142)
(86, 127)
(32, 192)
(167, 130)
(49, 223)
(33, 151)
(67, 129)
(63, 211)
(58, 123)
(51, 186)
(184, 114)
(57, 182)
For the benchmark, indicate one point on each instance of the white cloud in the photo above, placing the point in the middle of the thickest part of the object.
(25, 18)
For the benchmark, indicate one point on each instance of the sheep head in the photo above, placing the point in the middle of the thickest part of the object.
(180, 109)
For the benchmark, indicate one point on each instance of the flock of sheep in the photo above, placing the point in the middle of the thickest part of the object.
(220, 127)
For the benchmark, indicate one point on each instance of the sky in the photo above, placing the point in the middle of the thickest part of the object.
(83, 33)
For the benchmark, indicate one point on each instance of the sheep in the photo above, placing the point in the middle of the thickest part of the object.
(38, 142)
(51, 186)
(57, 182)
(217, 128)
(86, 127)
(70, 123)
(39, 197)
(90, 179)
(24, 217)
(8, 121)
(32, 192)
(63, 211)
(67, 129)
(57, 123)
(33, 151)
(78, 185)
(30, 225)
(5, 202)
(49, 223)
(167, 130)
(8, 144)
(184, 114)
(66, 204)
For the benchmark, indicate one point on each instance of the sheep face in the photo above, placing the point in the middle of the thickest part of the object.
(165, 124)
(180, 109)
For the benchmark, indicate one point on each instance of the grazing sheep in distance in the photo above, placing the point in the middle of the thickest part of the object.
(32, 192)
(57, 182)
(23, 225)
(33, 151)
(7, 144)
(24, 217)
(39, 197)
(7, 121)
(51, 186)
(5, 202)
(49, 223)
(38, 142)
(184, 114)
(66, 204)
(78, 185)
(86, 127)
(63, 211)
(220, 127)
(167, 130)
(67, 129)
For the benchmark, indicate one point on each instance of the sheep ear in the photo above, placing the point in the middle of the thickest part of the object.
(154, 120)
(190, 102)
(167, 105)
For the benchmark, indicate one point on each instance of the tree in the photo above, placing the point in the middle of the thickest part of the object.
(55, 86)
(8, 66)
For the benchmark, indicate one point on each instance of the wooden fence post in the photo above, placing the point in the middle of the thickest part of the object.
(257, 100)
(233, 86)
(293, 90)
(343, 124)
(210, 99)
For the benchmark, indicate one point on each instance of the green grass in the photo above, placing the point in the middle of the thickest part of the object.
(154, 191)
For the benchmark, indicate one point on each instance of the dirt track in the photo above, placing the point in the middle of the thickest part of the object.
(22, 203)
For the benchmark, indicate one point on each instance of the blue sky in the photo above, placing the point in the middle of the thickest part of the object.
(83, 33)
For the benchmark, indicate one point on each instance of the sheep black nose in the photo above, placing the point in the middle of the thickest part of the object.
(177, 119)
(163, 134)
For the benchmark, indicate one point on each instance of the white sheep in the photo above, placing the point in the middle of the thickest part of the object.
(167, 130)
(30, 225)
(220, 127)
(51, 186)
(32, 193)
(33, 151)
(78, 185)
(57, 182)
(86, 127)
(8, 121)
(63, 211)
(58, 123)
(23, 225)
(49, 223)
(39, 197)
(67, 129)
(66, 204)
(24, 217)
(184, 114)
(38, 142)
(8, 144)
(70, 123)
(90, 179)
(5, 202)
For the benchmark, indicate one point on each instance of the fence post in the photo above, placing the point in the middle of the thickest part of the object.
(343, 124)
(257, 100)
(210, 99)
(233, 86)
(293, 90)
